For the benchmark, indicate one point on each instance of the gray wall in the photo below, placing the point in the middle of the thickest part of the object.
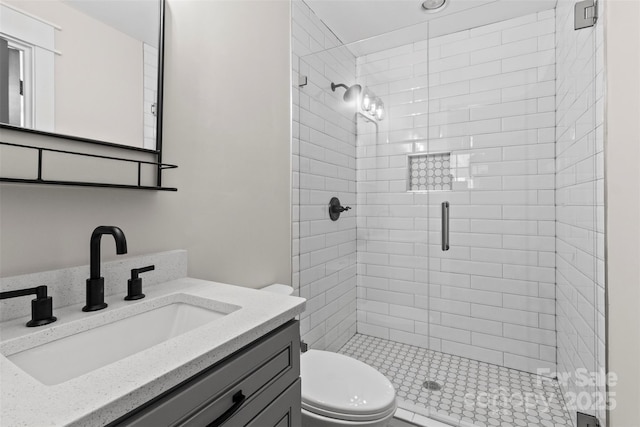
(622, 154)
(232, 210)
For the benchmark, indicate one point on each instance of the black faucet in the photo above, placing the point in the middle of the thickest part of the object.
(41, 306)
(95, 283)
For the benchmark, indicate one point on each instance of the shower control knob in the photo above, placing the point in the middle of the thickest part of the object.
(335, 208)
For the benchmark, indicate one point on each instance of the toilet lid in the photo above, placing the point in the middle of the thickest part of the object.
(341, 387)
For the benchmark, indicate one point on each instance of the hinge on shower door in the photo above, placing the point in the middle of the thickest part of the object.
(586, 14)
(585, 420)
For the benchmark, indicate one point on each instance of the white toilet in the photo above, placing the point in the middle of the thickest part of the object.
(338, 390)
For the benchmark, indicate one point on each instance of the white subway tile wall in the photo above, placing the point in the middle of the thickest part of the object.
(487, 97)
(324, 150)
(580, 210)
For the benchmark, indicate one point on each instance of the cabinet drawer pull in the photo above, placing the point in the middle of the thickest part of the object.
(238, 400)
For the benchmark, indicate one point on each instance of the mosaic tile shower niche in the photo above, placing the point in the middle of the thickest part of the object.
(430, 172)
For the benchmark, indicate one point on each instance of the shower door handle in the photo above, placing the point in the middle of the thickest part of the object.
(445, 226)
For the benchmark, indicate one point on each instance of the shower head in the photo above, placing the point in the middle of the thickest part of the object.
(352, 91)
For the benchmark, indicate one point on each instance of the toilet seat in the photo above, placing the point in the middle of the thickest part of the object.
(340, 387)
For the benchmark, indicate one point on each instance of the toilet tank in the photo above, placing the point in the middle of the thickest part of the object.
(278, 288)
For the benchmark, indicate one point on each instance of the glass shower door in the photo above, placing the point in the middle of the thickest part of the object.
(326, 195)
(393, 215)
(470, 267)
(512, 107)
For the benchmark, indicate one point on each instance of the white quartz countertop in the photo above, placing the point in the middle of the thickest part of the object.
(105, 394)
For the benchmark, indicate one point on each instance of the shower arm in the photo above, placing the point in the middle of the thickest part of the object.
(334, 86)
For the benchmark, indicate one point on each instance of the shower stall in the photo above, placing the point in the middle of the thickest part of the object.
(469, 268)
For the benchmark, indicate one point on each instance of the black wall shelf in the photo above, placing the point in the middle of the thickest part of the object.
(40, 180)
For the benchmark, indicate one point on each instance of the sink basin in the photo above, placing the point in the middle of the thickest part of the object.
(66, 358)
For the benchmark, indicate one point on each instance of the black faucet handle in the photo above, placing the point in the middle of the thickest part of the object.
(136, 271)
(134, 285)
(41, 306)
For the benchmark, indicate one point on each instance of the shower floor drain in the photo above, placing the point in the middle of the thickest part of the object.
(431, 385)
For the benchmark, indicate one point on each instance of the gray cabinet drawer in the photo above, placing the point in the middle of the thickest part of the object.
(260, 371)
(285, 411)
(273, 403)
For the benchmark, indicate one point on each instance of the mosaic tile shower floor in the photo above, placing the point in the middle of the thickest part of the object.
(472, 393)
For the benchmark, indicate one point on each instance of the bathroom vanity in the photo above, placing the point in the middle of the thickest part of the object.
(192, 352)
(257, 386)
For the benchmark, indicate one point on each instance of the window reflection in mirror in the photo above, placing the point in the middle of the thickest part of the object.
(84, 68)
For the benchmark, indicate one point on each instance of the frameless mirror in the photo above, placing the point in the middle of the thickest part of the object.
(87, 69)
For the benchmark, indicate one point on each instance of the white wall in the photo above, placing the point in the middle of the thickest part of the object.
(324, 157)
(486, 96)
(622, 154)
(231, 211)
